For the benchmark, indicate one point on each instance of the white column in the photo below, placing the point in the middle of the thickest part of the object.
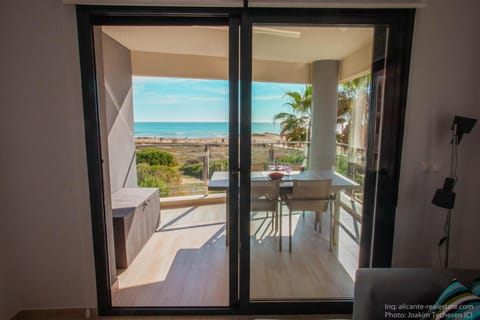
(324, 114)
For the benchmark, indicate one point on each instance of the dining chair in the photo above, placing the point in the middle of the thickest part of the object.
(265, 197)
(308, 195)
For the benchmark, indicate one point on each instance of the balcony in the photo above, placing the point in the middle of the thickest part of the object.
(185, 263)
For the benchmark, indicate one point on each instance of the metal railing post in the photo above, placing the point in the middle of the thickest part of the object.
(206, 167)
(271, 154)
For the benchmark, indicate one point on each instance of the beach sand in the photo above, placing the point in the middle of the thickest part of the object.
(186, 150)
(256, 138)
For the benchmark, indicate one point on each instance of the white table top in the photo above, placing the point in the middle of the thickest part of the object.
(220, 179)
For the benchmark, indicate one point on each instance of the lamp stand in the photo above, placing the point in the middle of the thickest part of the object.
(445, 197)
(447, 241)
(453, 174)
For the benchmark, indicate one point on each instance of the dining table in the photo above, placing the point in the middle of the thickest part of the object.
(219, 181)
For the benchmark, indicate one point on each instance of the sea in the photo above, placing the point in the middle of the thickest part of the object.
(196, 129)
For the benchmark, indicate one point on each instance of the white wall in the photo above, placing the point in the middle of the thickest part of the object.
(43, 161)
(9, 301)
(206, 67)
(357, 64)
(443, 82)
(324, 115)
(114, 74)
(118, 104)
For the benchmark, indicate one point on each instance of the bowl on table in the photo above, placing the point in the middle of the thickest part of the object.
(275, 175)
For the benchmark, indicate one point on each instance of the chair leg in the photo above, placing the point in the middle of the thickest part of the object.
(303, 214)
(332, 227)
(290, 230)
(320, 216)
(273, 220)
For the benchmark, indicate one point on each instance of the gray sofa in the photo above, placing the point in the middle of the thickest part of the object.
(400, 292)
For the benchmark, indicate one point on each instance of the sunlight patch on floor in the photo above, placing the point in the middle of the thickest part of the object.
(195, 229)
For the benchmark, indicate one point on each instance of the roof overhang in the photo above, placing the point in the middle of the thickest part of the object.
(280, 54)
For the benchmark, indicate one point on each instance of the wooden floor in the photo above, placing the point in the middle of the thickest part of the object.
(310, 271)
(185, 263)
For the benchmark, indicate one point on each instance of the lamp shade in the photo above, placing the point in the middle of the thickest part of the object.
(462, 125)
(445, 197)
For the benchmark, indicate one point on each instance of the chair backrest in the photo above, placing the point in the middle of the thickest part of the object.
(311, 189)
(267, 190)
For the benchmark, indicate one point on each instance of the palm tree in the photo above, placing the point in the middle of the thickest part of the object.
(295, 125)
(348, 92)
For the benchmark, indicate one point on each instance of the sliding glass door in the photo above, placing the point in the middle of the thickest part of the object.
(266, 134)
(167, 116)
(317, 126)
(310, 93)
(165, 93)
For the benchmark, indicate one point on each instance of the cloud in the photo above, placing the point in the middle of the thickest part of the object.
(168, 91)
(170, 99)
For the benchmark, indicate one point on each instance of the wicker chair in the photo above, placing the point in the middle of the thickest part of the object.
(265, 197)
(308, 195)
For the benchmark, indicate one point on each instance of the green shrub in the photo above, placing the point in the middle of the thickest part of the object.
(341, 165)
(195, 169)
(163, 177)
(155, 157)
(192, 161)
(293, 159)
(218, 165)
(360, 179)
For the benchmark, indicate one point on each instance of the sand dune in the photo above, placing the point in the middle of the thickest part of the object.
(256, 138)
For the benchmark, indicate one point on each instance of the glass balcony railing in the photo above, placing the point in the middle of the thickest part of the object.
(191, 164)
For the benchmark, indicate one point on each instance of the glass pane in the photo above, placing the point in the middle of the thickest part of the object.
(310, 96)
(164, 99)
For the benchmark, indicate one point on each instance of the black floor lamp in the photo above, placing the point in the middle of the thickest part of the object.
(445, 197)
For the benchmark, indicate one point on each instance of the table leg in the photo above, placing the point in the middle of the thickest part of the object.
(290, 230)
(332, 205)
(280, 229)
(334, 234)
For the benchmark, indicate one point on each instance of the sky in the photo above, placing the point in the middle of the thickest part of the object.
(194, 100)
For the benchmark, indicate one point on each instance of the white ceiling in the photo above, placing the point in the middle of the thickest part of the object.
(314, 43)
(297, 44)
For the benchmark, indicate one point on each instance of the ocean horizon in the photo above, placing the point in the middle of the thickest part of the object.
(196, 129)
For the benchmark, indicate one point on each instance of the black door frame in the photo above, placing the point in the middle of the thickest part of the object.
(400, 25)
(381, 188)
(90, 16)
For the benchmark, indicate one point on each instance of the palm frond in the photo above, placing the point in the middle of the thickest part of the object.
(294, 123)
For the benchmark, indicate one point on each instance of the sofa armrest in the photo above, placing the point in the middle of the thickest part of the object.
(381, 290)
